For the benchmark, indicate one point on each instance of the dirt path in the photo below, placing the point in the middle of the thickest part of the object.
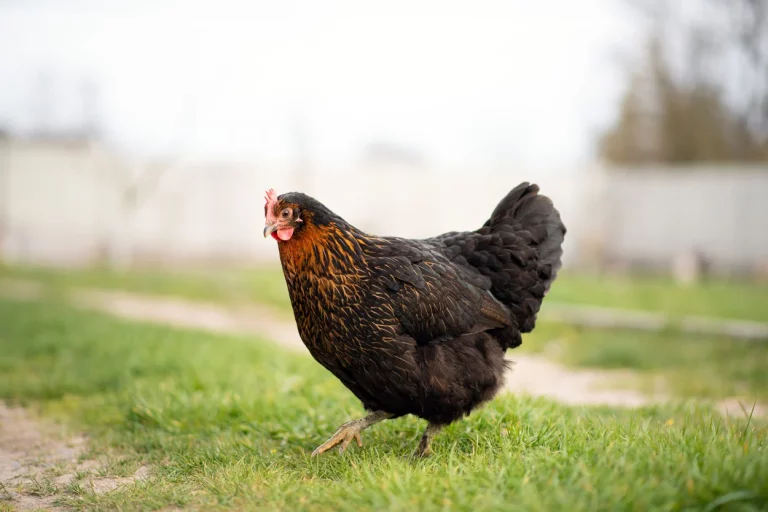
(38, 461)
(25, 454)
(596, 316)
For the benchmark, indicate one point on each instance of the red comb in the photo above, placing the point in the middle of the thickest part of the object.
(271, 198)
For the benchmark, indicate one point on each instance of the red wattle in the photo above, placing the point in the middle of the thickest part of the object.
(285, 234)
(282, 234)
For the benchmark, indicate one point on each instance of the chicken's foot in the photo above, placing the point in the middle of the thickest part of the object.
(351, 430)
(426, 439)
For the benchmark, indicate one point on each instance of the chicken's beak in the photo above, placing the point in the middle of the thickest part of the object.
(269, 229)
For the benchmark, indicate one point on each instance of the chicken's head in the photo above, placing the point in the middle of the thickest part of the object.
(294, 216)
(282, 218)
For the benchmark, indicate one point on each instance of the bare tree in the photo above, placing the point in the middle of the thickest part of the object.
(749, 35)
(678, 106)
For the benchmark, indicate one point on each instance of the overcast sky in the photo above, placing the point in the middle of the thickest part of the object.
(468, 83)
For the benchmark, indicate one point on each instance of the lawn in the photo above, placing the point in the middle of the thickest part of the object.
(265, 285)
(717, 298)
(669, 362)
(228, 422)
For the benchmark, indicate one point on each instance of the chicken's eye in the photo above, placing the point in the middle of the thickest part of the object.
(285, 213)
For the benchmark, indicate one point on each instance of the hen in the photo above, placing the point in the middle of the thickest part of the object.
(415, 326)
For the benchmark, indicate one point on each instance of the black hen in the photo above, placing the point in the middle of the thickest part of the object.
(416, 326)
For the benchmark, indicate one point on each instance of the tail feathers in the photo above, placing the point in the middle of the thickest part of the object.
(519, 250)
(534, 218)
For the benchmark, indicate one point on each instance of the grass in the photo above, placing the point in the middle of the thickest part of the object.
(265, 285)
(717, 298)
(702, 366)
(723, 299)
(668, 361)
(228, 422)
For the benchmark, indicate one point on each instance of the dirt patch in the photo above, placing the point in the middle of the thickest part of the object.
(539, 377)
(243, 319)
(38, 461)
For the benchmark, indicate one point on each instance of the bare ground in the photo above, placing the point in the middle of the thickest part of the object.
(38, 461)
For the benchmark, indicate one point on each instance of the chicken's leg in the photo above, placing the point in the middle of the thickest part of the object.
(424, 448)
(351, 430)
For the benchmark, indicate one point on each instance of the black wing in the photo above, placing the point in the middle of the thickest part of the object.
(494, 278)
(433, 298)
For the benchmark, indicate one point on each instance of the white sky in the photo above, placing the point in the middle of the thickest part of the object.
(469, 83)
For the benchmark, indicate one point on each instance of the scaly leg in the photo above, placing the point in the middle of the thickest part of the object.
(351, 430)
(424, 449)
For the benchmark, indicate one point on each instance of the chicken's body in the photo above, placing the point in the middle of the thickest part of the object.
(418, 326)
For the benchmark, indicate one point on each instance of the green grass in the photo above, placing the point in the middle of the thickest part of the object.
(705, 366)
(667, 361)
(726, 299)
(716, 298)
(266, 285)
(228, 422)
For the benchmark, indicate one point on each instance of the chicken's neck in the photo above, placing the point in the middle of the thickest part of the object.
(327, 251)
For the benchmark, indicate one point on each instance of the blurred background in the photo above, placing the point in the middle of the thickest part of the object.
(137, 133)
(137, 139)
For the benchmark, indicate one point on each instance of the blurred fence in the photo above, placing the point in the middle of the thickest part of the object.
(80, 204)
(716, 214)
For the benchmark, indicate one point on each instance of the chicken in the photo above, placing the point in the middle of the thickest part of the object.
(415, 326)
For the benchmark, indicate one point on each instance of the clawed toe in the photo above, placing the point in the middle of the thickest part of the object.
(351, 431)
(343, 436)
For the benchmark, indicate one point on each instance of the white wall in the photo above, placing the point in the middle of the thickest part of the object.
(65, 207)
(652, 215)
